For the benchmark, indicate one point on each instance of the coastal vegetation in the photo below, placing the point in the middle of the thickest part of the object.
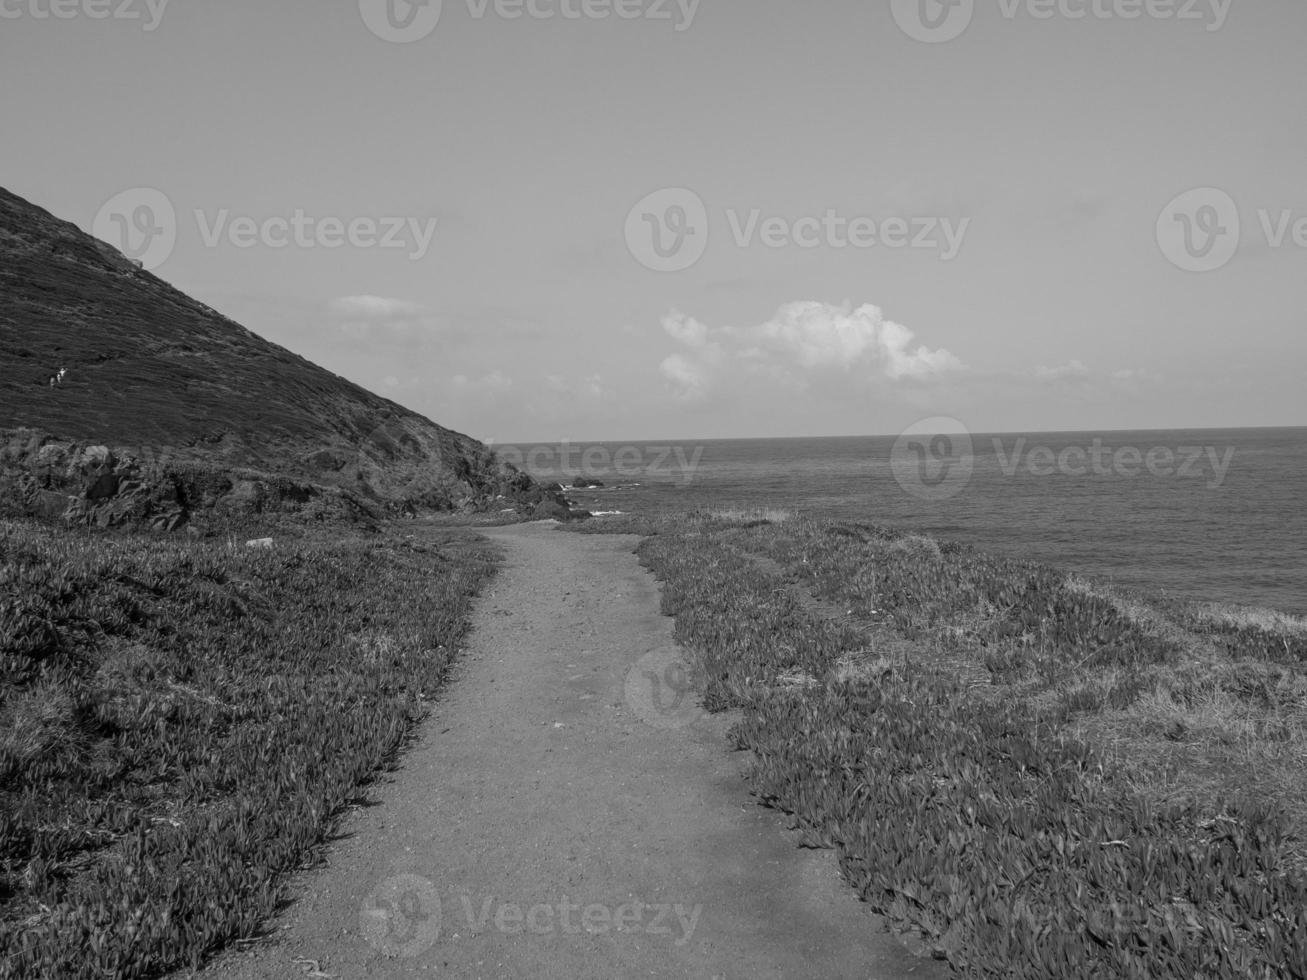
(183, 721)
(1029, 773)
(1032, 774)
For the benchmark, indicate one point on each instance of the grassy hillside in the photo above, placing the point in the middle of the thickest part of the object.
(174, 387)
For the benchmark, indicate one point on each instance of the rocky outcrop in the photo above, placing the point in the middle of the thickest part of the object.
(76, 484)
(551, 510)
(95, 486)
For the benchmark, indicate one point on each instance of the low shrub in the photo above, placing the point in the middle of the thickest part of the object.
(182, 722)
(977, 818)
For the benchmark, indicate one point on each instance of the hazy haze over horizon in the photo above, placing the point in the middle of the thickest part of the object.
(1031, 159)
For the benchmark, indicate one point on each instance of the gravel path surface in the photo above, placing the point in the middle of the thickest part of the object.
(568, 813)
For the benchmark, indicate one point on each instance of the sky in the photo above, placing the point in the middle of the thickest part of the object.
(652, 219)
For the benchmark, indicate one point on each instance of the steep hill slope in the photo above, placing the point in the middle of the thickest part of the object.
(199, 415)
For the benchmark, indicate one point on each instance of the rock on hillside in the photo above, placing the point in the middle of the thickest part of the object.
(168, 411)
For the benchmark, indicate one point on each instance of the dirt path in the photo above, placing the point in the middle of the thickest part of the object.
(568, 813)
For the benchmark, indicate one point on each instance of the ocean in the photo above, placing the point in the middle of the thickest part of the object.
(1207, 514)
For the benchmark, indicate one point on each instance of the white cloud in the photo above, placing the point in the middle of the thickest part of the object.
(373, 308)
(801, 340)
(495, 382)
(587, 388)
(685, 330)
(1071, 371)
(689, 378)
(383, 324)
(1134, 378)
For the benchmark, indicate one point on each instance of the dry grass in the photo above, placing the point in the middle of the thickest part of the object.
(1245, 617)
(376, 646)
(853, 668)
(1142, 614)
(743, 515)
(640, 524)
(35, 724)
(916, 545)
(1209, 731)
(1214, 718)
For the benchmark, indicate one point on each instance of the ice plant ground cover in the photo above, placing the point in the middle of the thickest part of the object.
(181, 722)
(1038, 775)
